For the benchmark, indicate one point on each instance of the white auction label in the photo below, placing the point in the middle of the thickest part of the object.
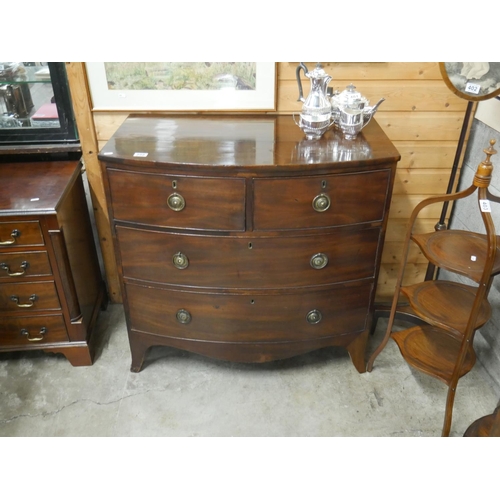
(485, 205)
(472, 88)
(141, 155)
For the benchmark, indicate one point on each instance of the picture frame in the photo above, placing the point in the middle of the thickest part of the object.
(472, 81)
(260, 98)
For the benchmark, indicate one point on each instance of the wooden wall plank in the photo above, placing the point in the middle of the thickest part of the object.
(426, 154)
(402, 206)
(396, 228)
(393, 252)
(424, 126)
(86, 130)
(411, 96)
(423, 181)
(414, 273)
(406, 129)
(354, 71)
(107, 122)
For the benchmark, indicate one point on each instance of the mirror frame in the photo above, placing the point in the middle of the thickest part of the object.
(447, 73)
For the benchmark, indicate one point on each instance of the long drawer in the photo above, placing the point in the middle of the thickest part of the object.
(249, 318)
(340, 199)
(32, 330)
(249, 261)
(198, 203)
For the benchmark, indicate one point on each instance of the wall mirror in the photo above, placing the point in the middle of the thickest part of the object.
(474, 81)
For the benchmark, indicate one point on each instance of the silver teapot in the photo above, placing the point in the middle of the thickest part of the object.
(316, 115)
(351, 111)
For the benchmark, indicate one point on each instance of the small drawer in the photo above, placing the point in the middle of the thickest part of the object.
(177, 201)
(34, 296)
(248, 262)
(24, 264)
(18, 234)
(327, 201)
(21, 331)
(249, 318)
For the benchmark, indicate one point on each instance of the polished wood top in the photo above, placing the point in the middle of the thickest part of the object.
(34, 186)
(259, 142)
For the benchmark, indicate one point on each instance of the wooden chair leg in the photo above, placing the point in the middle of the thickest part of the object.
(380, 348)
(450, 399)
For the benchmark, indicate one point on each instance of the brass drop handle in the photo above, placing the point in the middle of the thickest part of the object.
(15, 234)
(180, 260)
(321, 203)
(319, 261)
(176, 202)
(314, 317)
(42, 332)
(183, 316)
(31, 302)
(24, 265)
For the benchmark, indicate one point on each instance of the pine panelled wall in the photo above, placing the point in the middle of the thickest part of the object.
(420, 115)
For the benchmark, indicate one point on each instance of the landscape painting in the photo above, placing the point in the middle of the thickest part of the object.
(182, 86)
(180, 75)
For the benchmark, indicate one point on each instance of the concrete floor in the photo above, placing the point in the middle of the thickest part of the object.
(182, 394)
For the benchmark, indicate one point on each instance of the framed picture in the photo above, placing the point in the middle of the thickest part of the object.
(182, 86)
(474, 81)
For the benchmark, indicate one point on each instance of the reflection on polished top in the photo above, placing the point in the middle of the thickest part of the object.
(239, 140)
(34, 186)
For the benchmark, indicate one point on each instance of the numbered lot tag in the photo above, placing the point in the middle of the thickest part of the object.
(472, 88)
(141, 155)
(485, 205)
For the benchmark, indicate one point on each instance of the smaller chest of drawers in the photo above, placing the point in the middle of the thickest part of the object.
(238, 239)
(51, 288)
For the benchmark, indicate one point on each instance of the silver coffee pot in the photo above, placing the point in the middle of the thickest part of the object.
(316, 115)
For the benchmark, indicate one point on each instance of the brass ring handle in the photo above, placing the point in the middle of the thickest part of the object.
(180, 260)
(24, 265)
(176, 202)
(183, 316)
(319, 261)
(314, 317)
(42, 332)
(15, 234)
(321, 203)
(31, 303)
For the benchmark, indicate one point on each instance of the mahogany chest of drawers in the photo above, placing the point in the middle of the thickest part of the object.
(51, 288)
(238, 239)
